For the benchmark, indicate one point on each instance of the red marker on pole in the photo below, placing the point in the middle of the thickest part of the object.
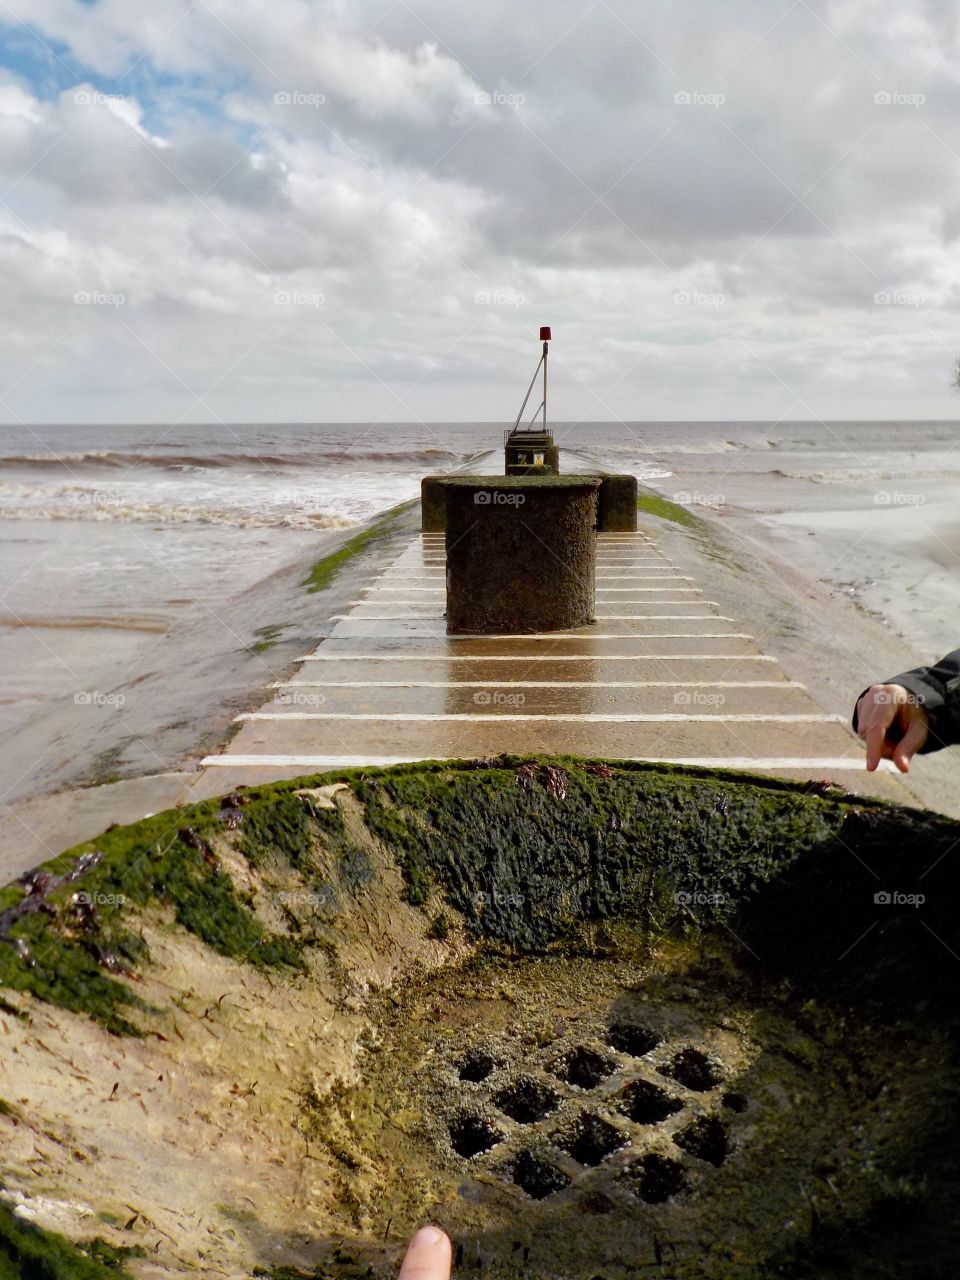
(545, 337)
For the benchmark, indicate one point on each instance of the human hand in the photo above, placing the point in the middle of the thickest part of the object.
(428, 1256)
(890, 706)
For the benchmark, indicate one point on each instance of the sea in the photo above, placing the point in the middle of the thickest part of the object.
(109, 533)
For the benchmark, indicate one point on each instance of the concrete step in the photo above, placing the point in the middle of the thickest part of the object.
(478, 736)
(330, 665)
(517, 649)
(533, 699)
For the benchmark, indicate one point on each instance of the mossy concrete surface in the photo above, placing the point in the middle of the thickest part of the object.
(521, 555)
(224, 1042)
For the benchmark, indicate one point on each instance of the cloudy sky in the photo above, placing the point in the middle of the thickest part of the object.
(298, 211)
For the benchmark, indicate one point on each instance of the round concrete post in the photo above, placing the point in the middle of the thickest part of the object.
(618, 504)
(433, 504)
(521, 553)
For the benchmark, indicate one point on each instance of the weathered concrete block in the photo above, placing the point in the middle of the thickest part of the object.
(531, 453)
(433, 504)
(521, 553)
(617, 512)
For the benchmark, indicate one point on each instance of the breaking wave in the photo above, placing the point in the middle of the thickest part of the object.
(118, 459)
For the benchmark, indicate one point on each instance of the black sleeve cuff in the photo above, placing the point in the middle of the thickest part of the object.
(937, 690)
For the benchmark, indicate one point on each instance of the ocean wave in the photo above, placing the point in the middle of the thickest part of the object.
(150, 513)
(863, 475)
(118, 459)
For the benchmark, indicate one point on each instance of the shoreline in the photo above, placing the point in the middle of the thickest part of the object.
(796, 617)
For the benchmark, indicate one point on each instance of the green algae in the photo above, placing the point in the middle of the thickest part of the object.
(29, 1253)
(670, 849)
(71, 964)
(652, 504)
(325, 571)
(269, 636)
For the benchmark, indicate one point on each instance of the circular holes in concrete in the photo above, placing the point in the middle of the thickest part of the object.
(476, 1065)
(584, 1067)
(646, 1103)
(590, 1139)
(630, 1037)
(526, 1100)
(472, 1134)
(705, 1138)
(694, 1069)
(535, 1174)
(655, 1178)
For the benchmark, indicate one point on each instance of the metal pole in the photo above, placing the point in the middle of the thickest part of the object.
(544, 386)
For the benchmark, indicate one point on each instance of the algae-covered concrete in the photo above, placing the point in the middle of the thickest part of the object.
(521, 553)
(589, 1016)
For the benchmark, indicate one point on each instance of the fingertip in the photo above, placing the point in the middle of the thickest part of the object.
(430, 1235)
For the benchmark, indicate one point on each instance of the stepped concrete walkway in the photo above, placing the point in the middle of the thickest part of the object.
(661, 675)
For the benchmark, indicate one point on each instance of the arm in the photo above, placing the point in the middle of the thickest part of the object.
(916, 711)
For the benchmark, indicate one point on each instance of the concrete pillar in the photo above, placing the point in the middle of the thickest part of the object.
(521, 553)
(531, 453)
(618, 504)
(433, 504)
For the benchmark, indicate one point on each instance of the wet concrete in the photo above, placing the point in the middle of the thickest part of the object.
(661, 673)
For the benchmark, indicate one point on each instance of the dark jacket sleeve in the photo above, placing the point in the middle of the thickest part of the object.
(937, 690)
